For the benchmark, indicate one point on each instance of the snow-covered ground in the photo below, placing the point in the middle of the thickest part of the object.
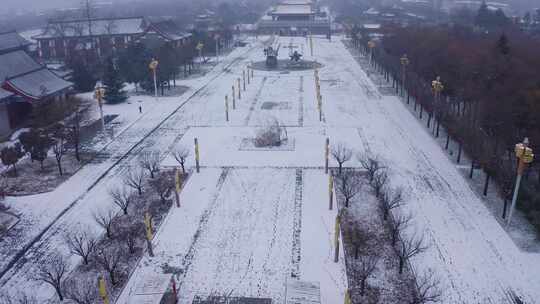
(251, 218)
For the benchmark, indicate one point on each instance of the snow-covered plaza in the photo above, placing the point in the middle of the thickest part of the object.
(252, 219)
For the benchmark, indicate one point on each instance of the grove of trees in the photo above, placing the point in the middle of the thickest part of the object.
(491, 96)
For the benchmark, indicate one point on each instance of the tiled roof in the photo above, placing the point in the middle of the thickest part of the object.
(11, 40)
(37, 84)
(16, 63)
(21, 74)
(98, 27)
(4, 94)
(170, 30)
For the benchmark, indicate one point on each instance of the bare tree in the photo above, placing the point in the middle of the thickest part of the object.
(371, 164)
(350, 185)
(379, 181)
(81, 291)
(150, 161)
(163, 186)
(397, 224)
(134, 178)
(122, 198)
(427, 289)
(105, 218)
(409, 247)
(81, 243)
(181, 154)
(390, 199)
(59, 146)
(341, 154)
(130, 233)
(53, 272)
(359, 238)
(110, 258)
(365, 267)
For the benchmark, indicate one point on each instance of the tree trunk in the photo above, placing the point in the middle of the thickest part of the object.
(472, 169)
(401, 264)
(504, 208)
(486, 184)
(59, 163)
(356, 251)
(459, 152)
(59, 293)
(447, 141)
(362, 287)
(183, 169)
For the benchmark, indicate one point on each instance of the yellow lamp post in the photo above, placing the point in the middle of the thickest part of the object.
(371, 45)
(330, 191)
(149, 232)
(437, 87)
(336, 238)
(525, 156)
(153, 67)
(99, 94)
(102, 288)
(226, 108)
(404, 63)
(196, 141)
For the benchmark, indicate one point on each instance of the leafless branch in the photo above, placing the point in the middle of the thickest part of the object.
(81, 290)
(427, 289)
(122, 198)
(109, 259)
(379, 181)
(341, 153)
(150, 161)
(105, 218)
(371, 164)
(181, 154)
(53, 272)
(134, 178)
(409, 247)
(350, 184)
(81, 243)
(390, 199)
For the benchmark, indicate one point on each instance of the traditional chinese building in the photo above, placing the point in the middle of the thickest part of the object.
(23, 82)
(295, 17)
(103, 37)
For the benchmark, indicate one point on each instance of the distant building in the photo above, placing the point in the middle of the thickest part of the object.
(62, 39)
(23, 82)
(103, 37)
(295, 17)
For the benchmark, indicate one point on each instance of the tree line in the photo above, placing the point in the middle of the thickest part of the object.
(491, 96)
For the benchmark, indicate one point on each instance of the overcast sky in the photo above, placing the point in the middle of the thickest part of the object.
(7, 5)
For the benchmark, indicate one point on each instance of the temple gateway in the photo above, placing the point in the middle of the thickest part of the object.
(295, 18)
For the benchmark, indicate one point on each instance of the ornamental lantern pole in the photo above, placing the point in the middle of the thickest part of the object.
(99, 94)
(525, 156)
(153, 66)
(371, 45)
(404, 63)
(437, 88)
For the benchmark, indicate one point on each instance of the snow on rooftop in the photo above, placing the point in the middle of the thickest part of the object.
(292, 10)
(121, 26)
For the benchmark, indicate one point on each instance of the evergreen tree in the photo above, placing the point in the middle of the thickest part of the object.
(82, 77)
(483, 17)
(133, 63)
(114, 85)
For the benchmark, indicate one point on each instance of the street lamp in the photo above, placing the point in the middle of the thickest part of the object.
(217, 48)
(371, 45)
(153, 66)
(525, 156)
(404, 63)
(437, 87)
(99, 94)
